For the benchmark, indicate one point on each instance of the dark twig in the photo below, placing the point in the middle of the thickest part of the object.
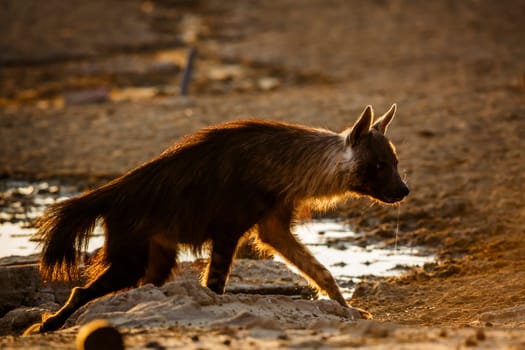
(187, 72)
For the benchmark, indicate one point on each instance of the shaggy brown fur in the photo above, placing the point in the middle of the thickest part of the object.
(213, 187)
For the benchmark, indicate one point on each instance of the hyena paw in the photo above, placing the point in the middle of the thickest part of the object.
(358, 313)
(33, 329)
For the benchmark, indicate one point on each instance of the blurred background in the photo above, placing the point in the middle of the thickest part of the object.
(111, 72)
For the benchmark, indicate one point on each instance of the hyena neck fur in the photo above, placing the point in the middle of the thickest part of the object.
(323, 168)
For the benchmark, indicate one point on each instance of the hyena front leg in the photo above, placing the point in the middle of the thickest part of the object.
(219, 268)
(274, 230)
(162, 260)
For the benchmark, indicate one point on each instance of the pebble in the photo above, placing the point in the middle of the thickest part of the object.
(99, 335)
(268, 83)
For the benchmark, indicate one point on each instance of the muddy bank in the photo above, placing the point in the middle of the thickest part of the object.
(184, 314)
(25, 297)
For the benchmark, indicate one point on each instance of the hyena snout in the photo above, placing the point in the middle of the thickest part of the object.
(397, 192)
(390, 188)
(403, 190)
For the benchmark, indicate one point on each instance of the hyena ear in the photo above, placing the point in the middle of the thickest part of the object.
(382, 123)
(361, 127)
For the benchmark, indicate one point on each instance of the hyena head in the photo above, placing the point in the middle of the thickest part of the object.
(372, 159)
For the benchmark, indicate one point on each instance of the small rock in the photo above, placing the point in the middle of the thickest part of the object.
(97, 95)
(225, 72)
(154, 345)
(480, 334)
(471, 341)
(19, 319)
(43, 298)
(99, 335)
(133, 93)
(268, 83)
(53, 189)
(17, 283)
(374, 329)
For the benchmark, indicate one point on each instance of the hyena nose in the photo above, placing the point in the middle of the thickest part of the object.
(404, 190)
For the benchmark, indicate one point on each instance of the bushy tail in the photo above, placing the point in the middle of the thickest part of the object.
(64, 231)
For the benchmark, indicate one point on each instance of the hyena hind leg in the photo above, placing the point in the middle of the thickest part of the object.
(274, 231)
(121, 273)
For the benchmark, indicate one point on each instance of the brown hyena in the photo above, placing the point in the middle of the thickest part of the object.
(212, 187)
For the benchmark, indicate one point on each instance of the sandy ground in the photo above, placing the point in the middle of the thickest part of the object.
(90, 102)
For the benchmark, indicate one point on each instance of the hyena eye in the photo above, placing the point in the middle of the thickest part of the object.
(380, 165)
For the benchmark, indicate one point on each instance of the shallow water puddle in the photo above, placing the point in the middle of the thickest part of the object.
(15, 239)
(328, 240)
(23, 201)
